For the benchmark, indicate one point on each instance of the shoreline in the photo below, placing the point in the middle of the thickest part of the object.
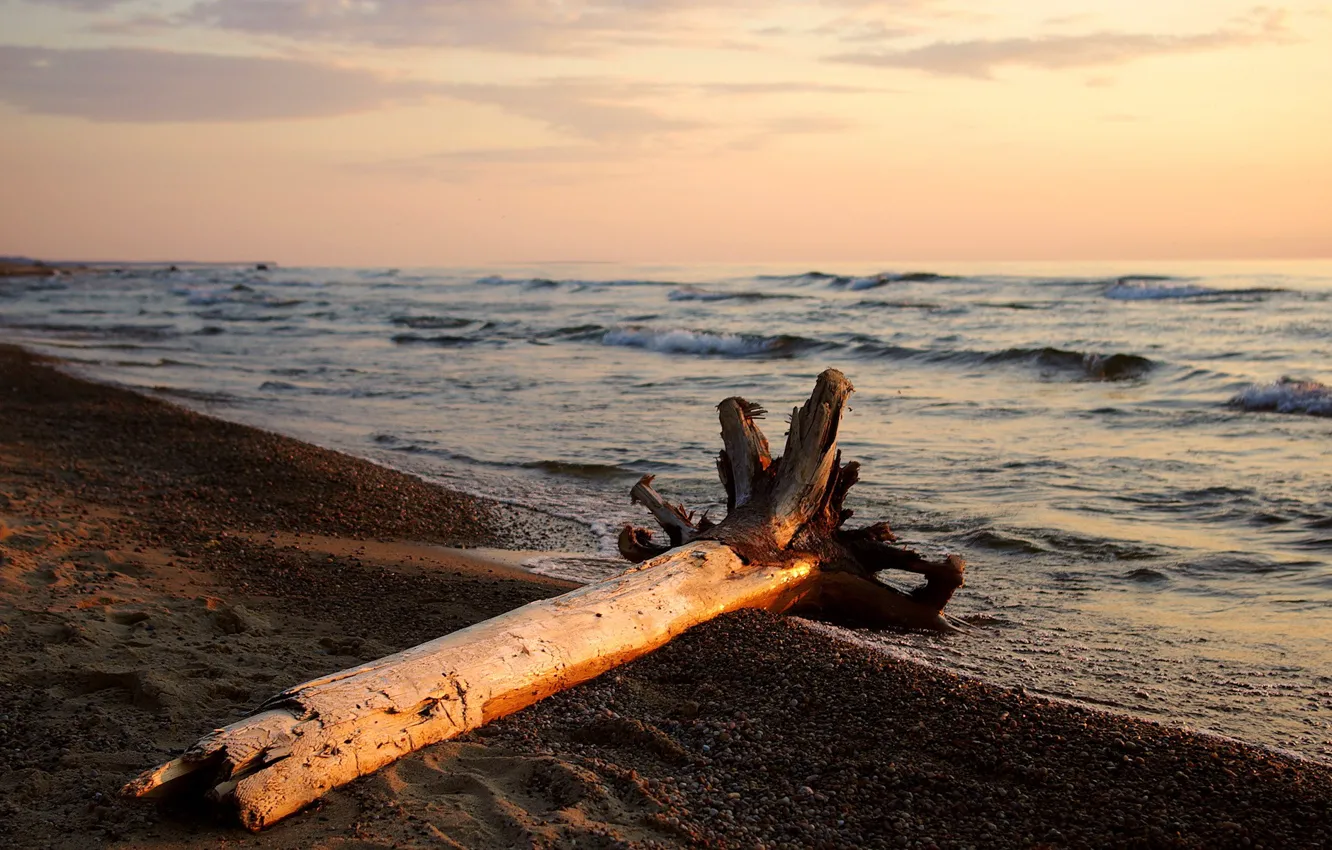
(164, 571)
(1109, 709)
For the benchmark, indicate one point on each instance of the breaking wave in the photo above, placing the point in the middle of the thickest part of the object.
(1087, 366)
(1154, 289)
(695, 293)
(679, 341)
(573, 284)
(877, 280)
(1092, 366)
(1287, 395)
(1151, 288)
(804, 277)
(854, 282)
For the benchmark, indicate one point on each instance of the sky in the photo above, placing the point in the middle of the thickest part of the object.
(447, 132)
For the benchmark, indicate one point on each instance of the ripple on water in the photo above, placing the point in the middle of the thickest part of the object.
(1146, 575)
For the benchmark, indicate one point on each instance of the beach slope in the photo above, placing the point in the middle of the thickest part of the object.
(162, 572)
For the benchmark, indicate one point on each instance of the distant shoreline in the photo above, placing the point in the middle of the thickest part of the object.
(27, 267)
(40, 268)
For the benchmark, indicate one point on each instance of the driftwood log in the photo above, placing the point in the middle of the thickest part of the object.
(781, 547)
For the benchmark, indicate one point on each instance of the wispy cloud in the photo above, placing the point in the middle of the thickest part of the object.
(560, 164)
(777, 88)
(619, 110)
(81, 5)
(593, 158)
(520, 26)
(133, 85)
(856, 30)
(585, 109)
(138, 85)
(980, 58)
(776, 129)
(516, 25)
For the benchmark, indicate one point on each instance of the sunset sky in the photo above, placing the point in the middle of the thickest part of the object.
(407, 132)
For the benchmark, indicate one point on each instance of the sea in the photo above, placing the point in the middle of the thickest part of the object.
(1135, 460)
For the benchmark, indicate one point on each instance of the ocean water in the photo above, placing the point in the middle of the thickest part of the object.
(1136, 462)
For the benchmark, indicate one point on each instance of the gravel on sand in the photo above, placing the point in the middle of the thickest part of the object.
(162, 572)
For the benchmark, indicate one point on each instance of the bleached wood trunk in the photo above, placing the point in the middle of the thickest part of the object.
(328, 731)
(780, 549)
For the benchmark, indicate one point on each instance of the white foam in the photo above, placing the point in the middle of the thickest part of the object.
(1141, 290)
(677, 341)
(1287, 396)
(694, 293)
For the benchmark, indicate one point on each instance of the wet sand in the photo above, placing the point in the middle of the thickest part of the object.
(162, 572)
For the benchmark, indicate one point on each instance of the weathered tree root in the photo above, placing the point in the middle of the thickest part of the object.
(781, 548)
(795, 504)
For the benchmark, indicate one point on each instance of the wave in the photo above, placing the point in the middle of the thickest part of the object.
(679, 341)
(440, 340)
(898, 305)
(581, 470)
(279, 386)
(1096, 367)
(695, 293)
(574, 284)
(1243, 563)
(212, 396)
(1088, 366)
(430, 322)
(885, 278)
(1017, 305)
(1151, 288)
(1287, 395)
(1147, 278)
(239, 293)
(1146, 575)
(392, 442)
(139, 332)
(525, 282)
(1147, 288)
(575, 333)
(856, 282)
(566, 468)
(1002, 541)
(1040, 541)
(219, 315)
(160, 363)
(803, 277)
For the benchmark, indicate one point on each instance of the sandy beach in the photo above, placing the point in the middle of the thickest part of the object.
(162, 572)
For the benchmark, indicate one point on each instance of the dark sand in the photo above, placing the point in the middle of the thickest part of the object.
(162, 572)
